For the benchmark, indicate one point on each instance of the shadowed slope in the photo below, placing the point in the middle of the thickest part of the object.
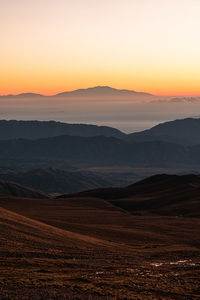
(108, 220)
(82, 248)
(21, 232)
(53, 180)
(99, 150)
(14, 189)
(160, 194)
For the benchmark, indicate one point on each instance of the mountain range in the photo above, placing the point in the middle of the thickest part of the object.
(183, 131)
(173, 143)
(40, 129)
(96, 92)
(99, 151)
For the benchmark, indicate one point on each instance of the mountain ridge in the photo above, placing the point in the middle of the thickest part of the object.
(104, 90)
(182, 131)
(10, 129)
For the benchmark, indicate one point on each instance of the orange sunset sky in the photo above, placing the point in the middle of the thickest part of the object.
(50, 46)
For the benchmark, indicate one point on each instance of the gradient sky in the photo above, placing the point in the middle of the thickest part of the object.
(49, 46)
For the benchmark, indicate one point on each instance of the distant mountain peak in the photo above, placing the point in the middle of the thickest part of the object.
(29, 95)
(102, 90)
(97, 91)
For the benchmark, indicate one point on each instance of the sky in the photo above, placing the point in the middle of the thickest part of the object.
(50, 46)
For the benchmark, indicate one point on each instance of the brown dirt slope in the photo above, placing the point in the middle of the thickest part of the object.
(160, 194)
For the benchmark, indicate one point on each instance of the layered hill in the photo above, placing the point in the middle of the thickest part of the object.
(160, 194)
(169, 144)
(52, 180)
(99, 151)
(183, 131)
(26, 235)
(14, 189)
(39, 129)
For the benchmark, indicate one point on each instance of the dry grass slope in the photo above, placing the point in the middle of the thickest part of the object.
(86, 247)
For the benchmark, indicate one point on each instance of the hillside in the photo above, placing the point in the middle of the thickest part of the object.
(14, 129)
(14, 189)
(99, 151)
(52, 180)
(83, 246)
(183, 131)
(160, 194)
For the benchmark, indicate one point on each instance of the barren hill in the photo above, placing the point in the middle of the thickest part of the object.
(160, 194)
(14, 189)
(139, 241)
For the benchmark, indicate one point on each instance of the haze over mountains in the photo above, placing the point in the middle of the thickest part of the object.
(124, 109)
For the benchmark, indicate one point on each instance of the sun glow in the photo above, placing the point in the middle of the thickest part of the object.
(52, 46)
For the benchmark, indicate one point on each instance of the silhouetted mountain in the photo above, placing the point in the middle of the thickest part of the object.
(104, 91)
(99, 151)
(159, 194)
(14, 189)
(97, 91)
(37, 129)
(184, 131)
(53, 180)
(29, 95)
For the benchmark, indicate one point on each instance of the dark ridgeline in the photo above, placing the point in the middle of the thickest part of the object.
(38, 129)
(183, 131)
(171, 144)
